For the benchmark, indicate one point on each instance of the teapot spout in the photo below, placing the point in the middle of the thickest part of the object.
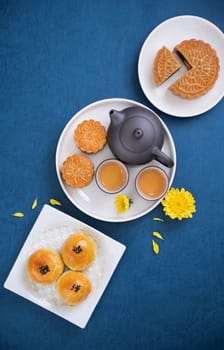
(116, 117)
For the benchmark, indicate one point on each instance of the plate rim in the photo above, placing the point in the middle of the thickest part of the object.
(156, 28)
(67, 125)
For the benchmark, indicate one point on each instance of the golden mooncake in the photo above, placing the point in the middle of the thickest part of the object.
(73, 287)
(165, 65)
(77, 171)
(90, 136)
(79, 251)
(45, 266)
(203, 69)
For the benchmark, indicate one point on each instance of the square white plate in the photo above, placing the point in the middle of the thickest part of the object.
(50, 230)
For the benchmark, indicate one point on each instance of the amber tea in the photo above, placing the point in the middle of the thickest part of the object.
(152, 183)
(112, 176)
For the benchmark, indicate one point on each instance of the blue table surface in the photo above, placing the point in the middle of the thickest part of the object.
(55, 58)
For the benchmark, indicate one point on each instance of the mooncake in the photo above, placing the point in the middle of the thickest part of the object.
(203, 69)
(90, 136)
(165, 65)
(77, 171)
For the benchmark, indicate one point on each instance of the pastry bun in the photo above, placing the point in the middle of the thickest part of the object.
(45, 266)
(73, 287)
(79, 251)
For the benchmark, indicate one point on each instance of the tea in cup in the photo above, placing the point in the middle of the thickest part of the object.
(111, 176)
(151, 183)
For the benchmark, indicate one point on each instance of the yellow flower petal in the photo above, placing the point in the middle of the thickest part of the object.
(18, 214)
(158, 219)
(34, 203)
(54, 202)
(155, 247)
(157, 234)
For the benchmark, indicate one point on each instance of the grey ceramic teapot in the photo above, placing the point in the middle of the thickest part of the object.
(136, 136)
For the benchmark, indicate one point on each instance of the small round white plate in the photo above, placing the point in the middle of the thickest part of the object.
(170, 33)
(90, 199)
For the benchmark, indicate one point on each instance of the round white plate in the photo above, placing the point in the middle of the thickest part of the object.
(90, 199)
(170, 33)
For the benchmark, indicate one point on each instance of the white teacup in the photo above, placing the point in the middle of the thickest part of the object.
(151, 183)
(111, 176)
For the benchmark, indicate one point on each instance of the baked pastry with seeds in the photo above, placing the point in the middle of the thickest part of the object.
(79, 251)
(73, 287)
(45, 266)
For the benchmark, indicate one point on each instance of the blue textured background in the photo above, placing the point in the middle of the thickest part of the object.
(55, 58)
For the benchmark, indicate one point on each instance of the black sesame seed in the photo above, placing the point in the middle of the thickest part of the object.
(76, 287)
(77, 249)
(44, 269)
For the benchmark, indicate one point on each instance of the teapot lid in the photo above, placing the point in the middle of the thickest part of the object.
(137, 134)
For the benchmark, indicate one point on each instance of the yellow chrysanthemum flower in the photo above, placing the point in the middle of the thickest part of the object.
(179, 204)
(122, 203)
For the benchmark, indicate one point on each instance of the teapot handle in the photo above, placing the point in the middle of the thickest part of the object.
(162, 157)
